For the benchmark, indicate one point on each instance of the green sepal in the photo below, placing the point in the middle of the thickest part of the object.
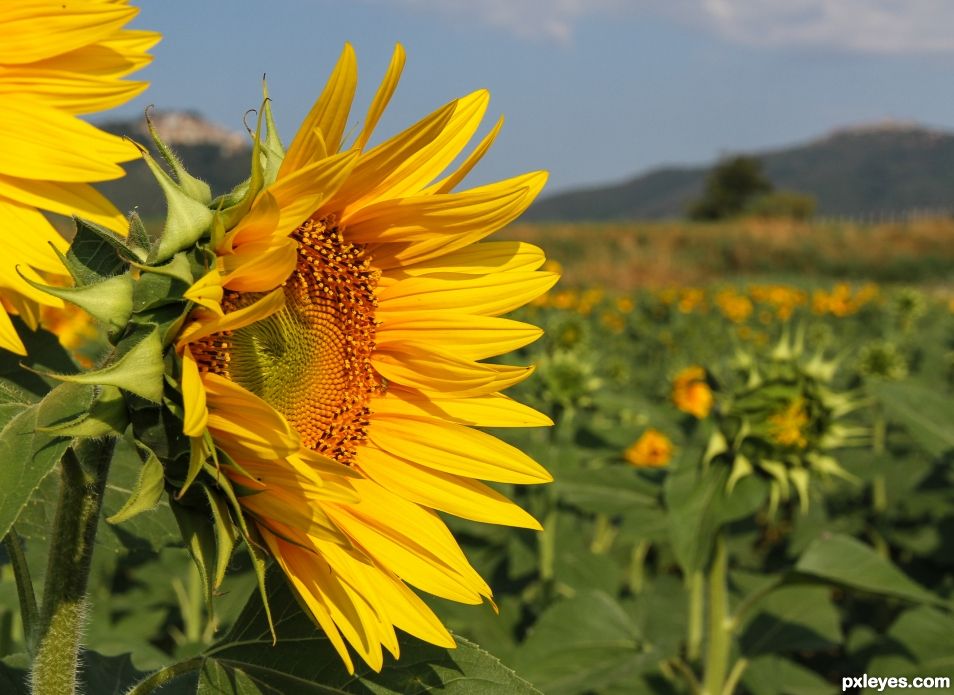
(139, 239)
(187, 219)
(95, 253)
(148, 489)
(226, 535)
(253, 540)
(800, 481)
(272, 146)
(716, 446)
(110, 300)
(741, 467)
(194, 188)
(234, 208)
(201, 448)
(199, 537)
(106, 415)
(137, 368)
(178, 268)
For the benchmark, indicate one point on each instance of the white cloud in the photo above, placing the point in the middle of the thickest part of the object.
(548, 19)
(870, 26)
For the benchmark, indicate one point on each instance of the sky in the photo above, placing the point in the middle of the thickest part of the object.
(594, 91)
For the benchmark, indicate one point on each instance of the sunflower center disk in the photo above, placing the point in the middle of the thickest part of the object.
(312, 360)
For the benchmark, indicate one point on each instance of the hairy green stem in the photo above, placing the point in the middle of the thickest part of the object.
(718, 642)
(63, 614)
(157, 679)
(29, 613)
(735, 676)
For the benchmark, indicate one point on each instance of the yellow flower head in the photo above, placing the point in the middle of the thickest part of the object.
(335, 356)
(690, 392)
(789, 426)
(58, 59)
(652, 450)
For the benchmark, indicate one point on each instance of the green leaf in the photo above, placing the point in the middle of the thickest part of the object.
(611, 490)
(699, 505)
(579, 645)
(791, 619)
(28, 456)
(772, 675)
(845, 561)
(303, 661)
(922, 638)
(927, 414)
(107, 675)
(95, 415)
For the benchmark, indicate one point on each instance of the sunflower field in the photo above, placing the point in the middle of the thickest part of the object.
(263, 446)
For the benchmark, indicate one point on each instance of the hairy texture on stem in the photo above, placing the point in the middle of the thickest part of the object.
(63, 614)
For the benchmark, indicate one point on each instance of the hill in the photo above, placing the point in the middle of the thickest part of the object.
(212, 153)
(887, 169)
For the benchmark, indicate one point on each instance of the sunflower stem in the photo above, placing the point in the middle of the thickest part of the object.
(696, 584)
(63, 614)
(718, 643)
(29, 613)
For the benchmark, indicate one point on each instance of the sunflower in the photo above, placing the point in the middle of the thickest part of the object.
(58, 59)
(334, 358)
(653, 449)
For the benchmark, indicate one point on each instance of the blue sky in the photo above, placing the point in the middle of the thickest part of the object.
(592, 90)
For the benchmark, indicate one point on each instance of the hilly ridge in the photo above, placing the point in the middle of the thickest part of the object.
(886, 169)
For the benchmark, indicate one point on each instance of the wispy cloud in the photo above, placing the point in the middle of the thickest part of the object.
(534, 19)
(870, 26)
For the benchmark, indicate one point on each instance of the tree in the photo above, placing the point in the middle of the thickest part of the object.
(730, 188)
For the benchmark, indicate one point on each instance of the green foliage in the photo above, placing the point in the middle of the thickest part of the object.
(785, 204)
(731, 187)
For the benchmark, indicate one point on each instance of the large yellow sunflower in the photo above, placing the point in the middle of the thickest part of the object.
(58, 59)
(335, 357)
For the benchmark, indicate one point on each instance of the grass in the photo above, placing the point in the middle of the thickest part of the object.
(630, 255)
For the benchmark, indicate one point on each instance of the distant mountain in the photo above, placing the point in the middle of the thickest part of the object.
(216, 155)
(880, 169)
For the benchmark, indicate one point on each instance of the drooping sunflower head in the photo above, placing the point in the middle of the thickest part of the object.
(58, 59)
(322, 335)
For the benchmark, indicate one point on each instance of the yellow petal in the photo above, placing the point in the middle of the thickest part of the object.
(9, 340)
(455, 449)
(207, 292)
(44, 143)
(489, 295)
(37, 29)
(193, 397)
(473, 337)
(260, 309)
(382, 96)
(74, 93)
(491, 410)
(244, 423)
(301, 192)
(68, 199)
(325, 123)
(445, 492)
(447, 184)
(438, 372)
(476, 259)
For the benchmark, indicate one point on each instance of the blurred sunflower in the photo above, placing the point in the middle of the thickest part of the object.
(58, 59)
(653, 449)
(691, 393)
(334, 356)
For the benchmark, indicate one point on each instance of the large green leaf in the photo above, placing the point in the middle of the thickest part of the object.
(699, 506)
(791, 619)
(849, 562)
(610, 490)
(920, 642)
(773, 675)
(926, 413)
(581, 644)
(245, 662)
